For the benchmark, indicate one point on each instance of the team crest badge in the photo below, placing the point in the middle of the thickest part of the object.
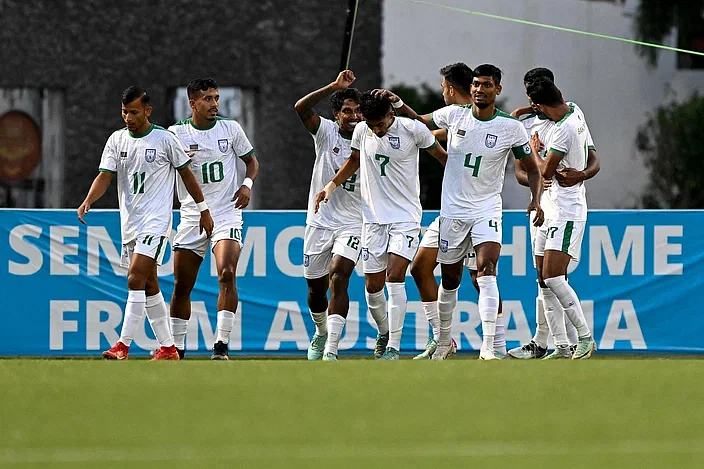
(336, 150)
(395, 142)
(444, 245)
(306, 260)
(461, 132)
(150, 155)
(365, 254)
(193, 147)
(123, 154)
(490, 141)
(222, 145)
(526, 149)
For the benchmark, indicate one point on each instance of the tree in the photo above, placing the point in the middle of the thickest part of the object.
(673, 146)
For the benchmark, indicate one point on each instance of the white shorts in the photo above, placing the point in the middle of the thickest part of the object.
(565, 236)
(431, 239)
(538, 235)
(189, 237)
(380, 240)
(320, 245)
(458, 237)
(149, 245)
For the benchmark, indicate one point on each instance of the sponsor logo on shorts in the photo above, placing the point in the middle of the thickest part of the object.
(395, 142)
(365, 254)
(490, 140)
(444, 245)
(306, 260)
(222, 145)
(150, 155)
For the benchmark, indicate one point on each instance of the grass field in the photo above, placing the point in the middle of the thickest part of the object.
(601, 413)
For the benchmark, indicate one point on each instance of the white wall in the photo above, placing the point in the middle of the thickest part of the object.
(611, 83)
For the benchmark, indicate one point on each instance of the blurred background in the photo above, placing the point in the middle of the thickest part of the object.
(64, 64)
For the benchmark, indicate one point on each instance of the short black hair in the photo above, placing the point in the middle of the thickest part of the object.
(538, 72)
(135, 92)
(458, 75)
(544, 91)
(198, 85)
(488, 70)
(374, 106)
(337, 100)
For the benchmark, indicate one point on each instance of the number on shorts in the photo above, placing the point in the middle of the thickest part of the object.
(384, 161)
(235, 234)
(410, 240)
(138, 183)
(212, 172)
(353, 242)
(475, 166)
(551, 231)
(494, 224)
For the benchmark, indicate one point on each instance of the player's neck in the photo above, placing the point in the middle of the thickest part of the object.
(142, 130)
(202, 123)
(484, 114)
(562, 110)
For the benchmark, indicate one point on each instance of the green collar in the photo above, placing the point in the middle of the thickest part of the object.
(149, 130)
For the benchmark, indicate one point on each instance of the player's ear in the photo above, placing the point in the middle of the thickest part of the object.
(498, 89)
(336, 115)
(148, 110)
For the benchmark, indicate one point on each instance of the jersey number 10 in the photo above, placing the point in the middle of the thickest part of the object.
(212, 172)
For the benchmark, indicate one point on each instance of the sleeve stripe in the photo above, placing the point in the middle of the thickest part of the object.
(432, 121)
(435, 144)
(248, 154)
(106, 170)
(183, 165)
(559, 152)
(354, 149)
(591, 147)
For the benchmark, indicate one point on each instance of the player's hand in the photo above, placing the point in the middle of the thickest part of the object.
(536, 144)
(386, 94)
(206, 223)
(241, 198)
(547, 183)
(324, 195)
(82, 210)
(539, 215)
(569, 177)
(344, 80)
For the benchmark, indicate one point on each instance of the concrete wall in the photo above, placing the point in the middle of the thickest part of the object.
(93, 49)
(612, 84)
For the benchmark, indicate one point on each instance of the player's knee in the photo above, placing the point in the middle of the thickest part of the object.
(419, 271)
(451, 282)
(227, 275)
(489, 268)
(182, 288)
(339, 282)
(136, 281)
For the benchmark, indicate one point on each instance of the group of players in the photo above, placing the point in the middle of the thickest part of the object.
(364, 201)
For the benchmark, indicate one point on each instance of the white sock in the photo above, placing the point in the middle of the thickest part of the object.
(572, 337)
(488, 308)
(542, 330)
(134, 312)
(158, 316)
(570, 303)
(447, 301)
(335, 325)
(178, 329)
(320, 320)
(555, 317)
(397, 312)
(376, 302)
(226, 319)
(500, 337)
(430, 308)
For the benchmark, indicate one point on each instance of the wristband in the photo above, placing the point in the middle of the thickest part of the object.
(248, 182)
(398, 104)
(202, 206)
(331, 185)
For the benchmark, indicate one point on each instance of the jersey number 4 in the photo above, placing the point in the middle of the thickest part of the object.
(212, 172)
(475, 166)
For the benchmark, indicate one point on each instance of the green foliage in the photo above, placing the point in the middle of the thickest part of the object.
(672, 142)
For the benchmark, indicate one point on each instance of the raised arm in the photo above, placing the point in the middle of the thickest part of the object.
(304, 106)
(404, 109)
(97, 190)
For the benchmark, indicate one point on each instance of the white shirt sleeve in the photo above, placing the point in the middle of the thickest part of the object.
(175, 151)
(321, 137)
(520, 145)
(358, 136)
(441, 117)
(240, 143)
(109, 159)
(590, 142)
(424, 137)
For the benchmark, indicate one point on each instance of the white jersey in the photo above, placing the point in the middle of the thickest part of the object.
(146, 168)
(389, 170)
(545, 128)
(344, 207)
(215, 151)
(570, 139)
(477, 153)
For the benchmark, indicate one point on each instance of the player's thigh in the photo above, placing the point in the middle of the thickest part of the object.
(186, 266)
(317, 252)
(431, 237)
(189, 237)
(455, 240)
(375, 247)
(347, 245)
(424, 262)
(227, 244)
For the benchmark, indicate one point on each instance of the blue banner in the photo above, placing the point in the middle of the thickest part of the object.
(64, 293)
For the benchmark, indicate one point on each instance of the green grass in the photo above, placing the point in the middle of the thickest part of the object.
(351, 414)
